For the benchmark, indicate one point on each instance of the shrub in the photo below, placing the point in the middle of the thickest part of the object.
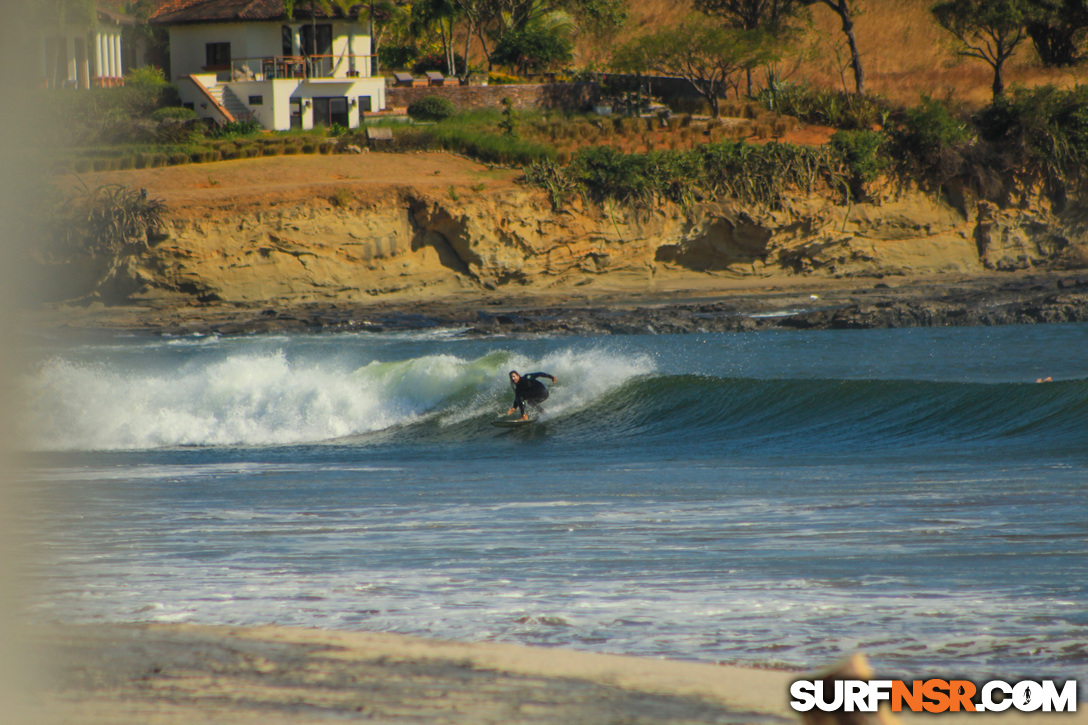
(232, 129)
(931, 141)
(431, 108)
(535, 48)
(171, 132)
(931, 126)
(690, 105)
(757, 175)
(838, 109)
(605, 172)
(862, 153)
(1043, 130)
(174, 113)
(397, 56)
(496, 78)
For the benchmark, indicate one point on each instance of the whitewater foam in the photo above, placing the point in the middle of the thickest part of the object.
(256, 398)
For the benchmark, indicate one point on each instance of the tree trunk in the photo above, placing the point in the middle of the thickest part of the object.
(712, 100)
(842, 9)
(855, 56)
(468, 47)
(999, 79)
(375, 41)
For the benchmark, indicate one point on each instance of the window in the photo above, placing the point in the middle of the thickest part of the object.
(256, 100)
(320, 53)
(287, 38)
(364, 104)
(324, 39)
(330, 110)
(217, 55)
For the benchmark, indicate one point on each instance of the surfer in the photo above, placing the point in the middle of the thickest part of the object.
(527, 389)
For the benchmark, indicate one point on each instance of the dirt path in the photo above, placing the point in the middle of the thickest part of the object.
(273, 180)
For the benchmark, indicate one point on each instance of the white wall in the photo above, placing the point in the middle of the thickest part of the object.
(275, 111)
(247, 40)
(256, 40)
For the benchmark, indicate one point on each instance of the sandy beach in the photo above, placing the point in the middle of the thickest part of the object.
(113, 674)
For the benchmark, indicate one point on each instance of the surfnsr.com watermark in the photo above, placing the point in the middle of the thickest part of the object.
(933, 695)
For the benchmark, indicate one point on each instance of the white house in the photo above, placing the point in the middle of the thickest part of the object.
(87, 53)
(246, 59)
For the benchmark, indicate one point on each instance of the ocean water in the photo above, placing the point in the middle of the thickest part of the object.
(772, 498)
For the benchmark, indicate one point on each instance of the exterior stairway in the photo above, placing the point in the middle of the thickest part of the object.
(229, 100)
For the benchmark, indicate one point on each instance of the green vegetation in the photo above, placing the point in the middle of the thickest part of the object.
(863, 157)
(706, 55)
(431, 108)
(234, 129)
(536, 48)
(757, 175)
(1042, 133)
(989, 30)
(827, 107)
(1027, 138)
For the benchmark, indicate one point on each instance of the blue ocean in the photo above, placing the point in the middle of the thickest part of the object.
(765, 498)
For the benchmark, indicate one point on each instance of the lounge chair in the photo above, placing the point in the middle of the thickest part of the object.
(406, 80)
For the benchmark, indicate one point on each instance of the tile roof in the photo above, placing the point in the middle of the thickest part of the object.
(211, 11)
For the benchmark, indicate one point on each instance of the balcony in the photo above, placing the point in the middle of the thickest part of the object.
(305, 67)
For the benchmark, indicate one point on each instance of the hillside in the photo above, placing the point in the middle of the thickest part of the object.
(905, 53)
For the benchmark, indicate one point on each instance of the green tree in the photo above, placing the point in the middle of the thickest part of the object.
(749, 14)
(537, 47)
(770, 16)
(1058, 31)
(440, 15)
(989, 30)
(704, 54)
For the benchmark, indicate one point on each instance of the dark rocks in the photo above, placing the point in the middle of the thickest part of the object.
(998, 300)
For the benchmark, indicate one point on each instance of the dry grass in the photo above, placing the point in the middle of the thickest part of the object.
(906, 54)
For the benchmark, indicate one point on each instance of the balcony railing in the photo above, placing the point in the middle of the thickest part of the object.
(299, 66)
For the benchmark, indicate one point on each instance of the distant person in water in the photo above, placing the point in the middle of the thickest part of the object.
(527, 389)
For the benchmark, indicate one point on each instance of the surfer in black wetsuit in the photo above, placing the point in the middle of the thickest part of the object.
(527, 389)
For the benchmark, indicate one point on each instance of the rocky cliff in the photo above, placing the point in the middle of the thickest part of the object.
(472, 239)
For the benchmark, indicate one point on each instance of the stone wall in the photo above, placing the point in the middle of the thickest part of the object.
(540, 96)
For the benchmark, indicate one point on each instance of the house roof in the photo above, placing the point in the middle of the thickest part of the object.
(171, 12)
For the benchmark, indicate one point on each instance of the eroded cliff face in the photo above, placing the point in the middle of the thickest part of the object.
(513, 239)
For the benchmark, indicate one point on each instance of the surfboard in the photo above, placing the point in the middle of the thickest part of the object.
(512, 422)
